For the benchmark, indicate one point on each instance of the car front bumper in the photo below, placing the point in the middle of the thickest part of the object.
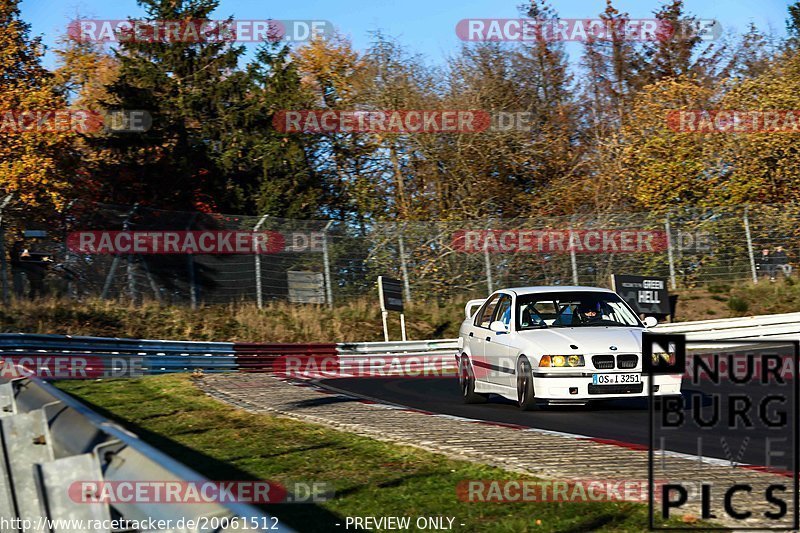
(581, 388)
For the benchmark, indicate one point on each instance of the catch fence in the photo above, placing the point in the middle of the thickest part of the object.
(328, 261)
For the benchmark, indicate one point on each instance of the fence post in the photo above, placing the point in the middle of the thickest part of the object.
(259, 295)
(750, 245)
(403, 267)
(131, 281)
(115, 261)
(72, 289)
(573, 258)
(192, 274)
(3, 266)
(488, 262)
(327, 264)
(670, 256)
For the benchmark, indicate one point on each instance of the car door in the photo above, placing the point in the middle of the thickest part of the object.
(477, 337)
(497, 347)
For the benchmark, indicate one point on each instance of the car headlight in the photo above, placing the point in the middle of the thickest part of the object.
(562, 360)
(668, 358)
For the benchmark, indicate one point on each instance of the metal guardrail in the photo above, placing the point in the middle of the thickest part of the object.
(779, 326)
(128, 357)
(49, 441)
(116, 357)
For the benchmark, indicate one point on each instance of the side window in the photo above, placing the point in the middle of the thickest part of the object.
(484, 316)
(503, 313)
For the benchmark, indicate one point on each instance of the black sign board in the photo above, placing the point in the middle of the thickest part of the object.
(645, 294)
(390, 292)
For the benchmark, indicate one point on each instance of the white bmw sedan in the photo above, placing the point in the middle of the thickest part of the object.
(551, 345)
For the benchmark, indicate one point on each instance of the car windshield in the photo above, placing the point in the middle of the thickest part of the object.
(571, 309)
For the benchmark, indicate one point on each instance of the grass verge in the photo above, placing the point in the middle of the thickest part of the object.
(368, 477)
(357, 320)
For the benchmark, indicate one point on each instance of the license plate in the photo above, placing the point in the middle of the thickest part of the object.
(615, 379)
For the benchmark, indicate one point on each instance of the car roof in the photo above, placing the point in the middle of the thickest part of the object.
(554, 288)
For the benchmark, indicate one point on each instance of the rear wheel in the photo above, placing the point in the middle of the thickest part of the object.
(526, 397)
(466, 380)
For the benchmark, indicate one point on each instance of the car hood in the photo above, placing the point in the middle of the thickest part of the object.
(587, 339)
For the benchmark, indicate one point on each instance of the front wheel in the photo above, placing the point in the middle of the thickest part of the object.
(526, 397)
(466, 381)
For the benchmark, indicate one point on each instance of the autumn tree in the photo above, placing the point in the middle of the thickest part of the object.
(35, 165)
(680, 50)
(752, 54)
(764, 167)
(334, 74)
(661, 167)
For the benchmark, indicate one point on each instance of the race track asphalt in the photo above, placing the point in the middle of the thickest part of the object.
(626, 421)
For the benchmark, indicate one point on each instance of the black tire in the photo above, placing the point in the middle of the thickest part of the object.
(466, 381)
(526, 397)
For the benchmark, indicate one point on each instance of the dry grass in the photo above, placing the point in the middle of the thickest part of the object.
(357, 320)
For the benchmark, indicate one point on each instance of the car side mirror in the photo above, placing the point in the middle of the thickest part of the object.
(498, 326)
(650, 321)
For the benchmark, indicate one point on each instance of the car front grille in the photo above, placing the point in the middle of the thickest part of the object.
(603, 362)
(625, 388)
(627, 360)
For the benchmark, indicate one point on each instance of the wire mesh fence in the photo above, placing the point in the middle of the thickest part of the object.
(137, 253)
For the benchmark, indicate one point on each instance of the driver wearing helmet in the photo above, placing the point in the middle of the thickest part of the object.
(589, 314)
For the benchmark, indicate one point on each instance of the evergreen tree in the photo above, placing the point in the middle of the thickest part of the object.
(188, 88)
(272, 167)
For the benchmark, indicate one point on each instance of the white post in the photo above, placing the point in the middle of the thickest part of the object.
(403, 325)
(487, 261)
(573, 258)
(327, 265)
(403, 268)
(259, 295)
(750, 246)
(670, 256)
(384, 314)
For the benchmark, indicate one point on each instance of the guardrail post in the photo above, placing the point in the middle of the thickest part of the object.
(259, 294)
(326, 262)
(670, 256)
(750, 245)
(403, 267)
